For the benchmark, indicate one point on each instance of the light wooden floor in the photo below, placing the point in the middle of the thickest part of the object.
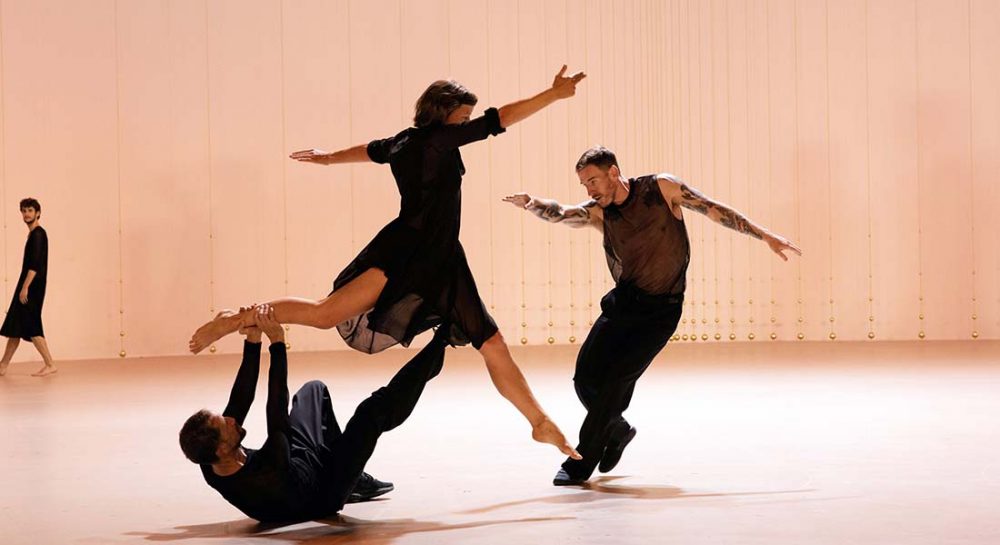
(893, 443)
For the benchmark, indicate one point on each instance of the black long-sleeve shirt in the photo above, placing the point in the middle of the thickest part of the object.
(275, 483)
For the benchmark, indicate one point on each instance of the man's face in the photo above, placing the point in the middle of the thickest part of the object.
(600, 184)
(231, 434)
(459, 115)
(29, 214)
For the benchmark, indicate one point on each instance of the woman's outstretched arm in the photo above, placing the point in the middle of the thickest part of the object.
(354, 154)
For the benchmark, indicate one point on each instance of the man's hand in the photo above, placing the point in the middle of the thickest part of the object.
(23, 297)
(565, 87)
(251, 331)
(311, 156)
(520, 200)
(264, 319)
(780, 244)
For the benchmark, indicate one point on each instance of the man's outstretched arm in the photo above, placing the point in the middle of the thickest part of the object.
(678, 193)
(580, 215)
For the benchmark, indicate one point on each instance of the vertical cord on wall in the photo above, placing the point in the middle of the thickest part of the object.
(701, 167)
(673, 102)
(829, 167)
(350, 122)
(685, 150)
(489, 161)
(569, 143)
(284, 174)
(614, 98)
(749, 179)
(868, 174)
(796, 193)
(701, 149)
(972, 185)
(729, 193)
(590, 142)
(118, 166)
(399, 34)
(3, 157)
(772, 319)
(689, 158)
(548, 190)
(520, 176)
(604, 132)
(447, 38)
(208, 127)
(921, 334)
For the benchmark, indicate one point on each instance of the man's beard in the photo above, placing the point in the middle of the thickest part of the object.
(241, 431)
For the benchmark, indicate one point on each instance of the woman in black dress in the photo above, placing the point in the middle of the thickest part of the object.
(414, 274)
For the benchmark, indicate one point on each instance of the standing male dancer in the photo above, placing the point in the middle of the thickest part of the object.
(307, 468)
(647, 249)
(24, 317)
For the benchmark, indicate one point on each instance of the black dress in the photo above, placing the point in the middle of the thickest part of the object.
(429, 281)
(25, 320)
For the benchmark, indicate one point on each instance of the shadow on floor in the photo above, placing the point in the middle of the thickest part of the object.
(339, 529)
(602, 488)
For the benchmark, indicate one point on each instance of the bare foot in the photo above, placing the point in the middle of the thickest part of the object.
(3, 368)
(548, 432)
(224, 323)
(45, 371)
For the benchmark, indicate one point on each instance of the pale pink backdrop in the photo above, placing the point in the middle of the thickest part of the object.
(155, 134)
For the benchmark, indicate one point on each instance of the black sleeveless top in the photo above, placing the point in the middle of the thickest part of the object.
(646, 245)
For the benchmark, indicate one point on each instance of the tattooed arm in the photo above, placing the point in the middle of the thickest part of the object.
(681, 195)
(580, 215)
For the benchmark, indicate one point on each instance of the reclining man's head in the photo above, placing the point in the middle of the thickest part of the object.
(208, 438)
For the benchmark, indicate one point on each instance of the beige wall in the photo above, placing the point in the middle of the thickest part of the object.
(155, 134)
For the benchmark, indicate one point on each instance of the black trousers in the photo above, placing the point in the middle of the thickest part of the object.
(344, 453)
(632, 329)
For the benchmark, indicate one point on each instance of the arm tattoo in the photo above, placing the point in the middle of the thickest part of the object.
(553, 212)
(692, 199)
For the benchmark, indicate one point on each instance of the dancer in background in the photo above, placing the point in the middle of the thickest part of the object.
(24, 316)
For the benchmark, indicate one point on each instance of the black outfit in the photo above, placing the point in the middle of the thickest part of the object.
(648, 251)
(308, 467)
(429, 281)
(25, 320)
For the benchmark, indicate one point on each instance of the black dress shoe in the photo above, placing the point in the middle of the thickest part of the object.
(613, 452)
(563, 479)
(368, 487)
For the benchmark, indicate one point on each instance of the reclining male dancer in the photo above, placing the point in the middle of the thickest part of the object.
(307, 468)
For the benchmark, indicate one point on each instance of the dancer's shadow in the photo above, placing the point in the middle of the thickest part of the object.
(338, 529)
(600, 489)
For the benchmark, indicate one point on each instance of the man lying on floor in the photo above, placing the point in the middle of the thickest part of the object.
(307, 468)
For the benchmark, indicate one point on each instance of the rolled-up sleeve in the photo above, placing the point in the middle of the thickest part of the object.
(378, 150)
(480, 128)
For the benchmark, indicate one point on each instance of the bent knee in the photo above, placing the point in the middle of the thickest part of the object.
(314, 385)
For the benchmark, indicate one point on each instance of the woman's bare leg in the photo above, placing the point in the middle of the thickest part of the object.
(352, 299)
(511, 384)
(43, 348)
(8, 353)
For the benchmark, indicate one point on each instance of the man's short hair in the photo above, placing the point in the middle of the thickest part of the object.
(31, 202)
(199, 439)
(598, 156)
